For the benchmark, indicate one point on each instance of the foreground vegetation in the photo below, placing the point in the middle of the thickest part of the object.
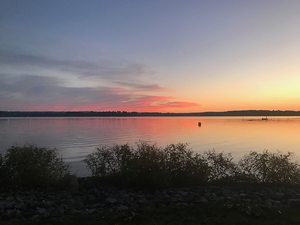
(147, 165)
(30, 166)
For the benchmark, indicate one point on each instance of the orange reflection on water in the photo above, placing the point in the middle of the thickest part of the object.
(77, 137)
(241, 135)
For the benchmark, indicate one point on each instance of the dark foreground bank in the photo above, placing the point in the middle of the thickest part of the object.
(147, 184)
(86, 202)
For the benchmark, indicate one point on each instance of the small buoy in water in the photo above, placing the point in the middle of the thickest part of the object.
(199, 124)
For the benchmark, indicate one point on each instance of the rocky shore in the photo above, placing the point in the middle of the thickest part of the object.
(83, 197)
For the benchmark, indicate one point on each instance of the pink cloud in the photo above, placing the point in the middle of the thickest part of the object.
(46, 94)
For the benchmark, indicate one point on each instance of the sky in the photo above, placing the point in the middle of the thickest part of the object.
(149, 56)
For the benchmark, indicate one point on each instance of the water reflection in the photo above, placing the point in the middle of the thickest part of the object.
(76, 137)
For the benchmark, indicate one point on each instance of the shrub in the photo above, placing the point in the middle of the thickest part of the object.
(266, 167)
(184, 166)
(121, 164)
(30, 166)
(107, 161)
(2, 172)
(222, 168)
(148, 165)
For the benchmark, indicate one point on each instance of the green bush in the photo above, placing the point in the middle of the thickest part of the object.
(266, 167)
(30, 166)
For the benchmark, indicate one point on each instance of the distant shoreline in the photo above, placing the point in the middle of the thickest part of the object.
(262, 113)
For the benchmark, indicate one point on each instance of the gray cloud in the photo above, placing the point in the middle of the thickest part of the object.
(108, 69)
(36, 90)
(30, 92)
(143, 87)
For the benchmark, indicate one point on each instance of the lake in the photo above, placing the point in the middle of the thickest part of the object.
(77, 137)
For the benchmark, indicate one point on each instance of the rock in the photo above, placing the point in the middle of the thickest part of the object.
(41, 210)
(268, 202)
(181, 204)
(10, 198)
(111, 200)
(226, 193)
(122, 208)
(9, 205)
(94, 192)
(73, 184)
(97, 205)
(78, 202)
(293, 202)
(182, 193)
(2, 205)
(91, 198)
(60, 210)
(202, 199)
(9, 214)
(20, 205)
(48, 203)
(18, 214)
(89, 211)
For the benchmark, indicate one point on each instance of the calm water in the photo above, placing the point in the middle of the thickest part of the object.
(77, 137)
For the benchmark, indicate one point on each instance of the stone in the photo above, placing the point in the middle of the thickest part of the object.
(181, 204)
(20, 205)
(111, 200)
(10, 198)
(60, 209)
(202, 199)
(182, 193)
(97, 205)
(268, 202)
(79, 204)
(73, 184)
(9, 205)
(91, 198)
(122, 208)
(293, 202)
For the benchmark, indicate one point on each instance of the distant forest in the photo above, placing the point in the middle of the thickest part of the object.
(129, 114)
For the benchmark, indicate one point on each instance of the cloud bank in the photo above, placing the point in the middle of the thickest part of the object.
(32, 92)
(107, 69)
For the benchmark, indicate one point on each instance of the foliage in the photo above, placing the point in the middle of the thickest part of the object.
(222, 168)
(148, 165)
(176, 165)
(30, 166)
(266, 167)
(2, 172)
(184, 166)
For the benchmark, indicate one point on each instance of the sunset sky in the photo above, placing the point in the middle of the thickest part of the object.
(149, 56)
